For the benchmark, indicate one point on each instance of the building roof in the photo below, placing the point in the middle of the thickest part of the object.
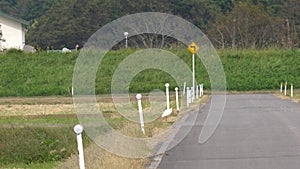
(22, 21)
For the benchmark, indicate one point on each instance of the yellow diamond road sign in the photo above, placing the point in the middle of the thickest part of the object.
(193, 48)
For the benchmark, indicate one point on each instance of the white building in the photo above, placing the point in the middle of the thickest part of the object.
(13, 31)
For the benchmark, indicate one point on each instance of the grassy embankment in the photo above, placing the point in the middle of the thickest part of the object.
(43, 74)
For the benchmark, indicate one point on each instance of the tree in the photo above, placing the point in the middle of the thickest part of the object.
(247, 26)
(291, 14)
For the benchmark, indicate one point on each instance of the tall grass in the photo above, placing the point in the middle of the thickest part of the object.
(44, 74)
(260, 70)
(38, 74)
(36, 144)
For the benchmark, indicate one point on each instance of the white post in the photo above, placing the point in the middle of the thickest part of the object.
(280, 87)
(78, 130)
(292, 90)
(201, 90)
(188, 96)
(191, 95)
(72, 91)
(197, 92)
(126, 39)
(184, 86)
(167, 95)
(177, 102)
(139, 99)
(285, 86)
(193, 76)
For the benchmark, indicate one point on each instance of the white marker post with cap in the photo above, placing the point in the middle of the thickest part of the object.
(139, 99)
(201, 90)
(177, 100)
(280, 87)
(187, 97)
(78, 129)
(285, 86)
(168, 111)
(126, 39)
(197, 92)
(184, 86)
(292, 90)
(191, 95)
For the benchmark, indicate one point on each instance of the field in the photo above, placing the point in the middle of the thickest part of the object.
(37, 133)
(37, 113)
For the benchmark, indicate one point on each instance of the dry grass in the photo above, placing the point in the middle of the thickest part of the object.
(295, 98)
(96, 157)
(38, 109)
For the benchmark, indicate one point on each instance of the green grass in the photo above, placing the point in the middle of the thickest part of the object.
(36, 145)
(47, 165)
(47, 119)
(38, 74)
(29, 142)
(261, 70)
(44, 74)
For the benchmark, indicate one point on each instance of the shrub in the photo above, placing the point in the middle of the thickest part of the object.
(14, 51)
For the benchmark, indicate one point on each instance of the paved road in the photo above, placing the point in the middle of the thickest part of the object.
(256, 132)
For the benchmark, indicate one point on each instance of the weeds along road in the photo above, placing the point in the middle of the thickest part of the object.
(257, 131)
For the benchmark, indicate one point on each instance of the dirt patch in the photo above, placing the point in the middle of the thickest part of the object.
(36, 100)
(37, 109)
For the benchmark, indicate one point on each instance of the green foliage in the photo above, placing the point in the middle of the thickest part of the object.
(260, 70)
(259, 23)
(42, 74)
(36, 144)
(28, 10)
(26, 74)
(14, 51)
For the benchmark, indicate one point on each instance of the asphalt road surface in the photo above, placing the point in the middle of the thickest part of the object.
(256, 132)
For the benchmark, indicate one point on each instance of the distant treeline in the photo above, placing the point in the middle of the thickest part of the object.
(227, 23)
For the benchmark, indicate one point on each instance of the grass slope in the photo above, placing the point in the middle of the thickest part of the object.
(44, 74)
